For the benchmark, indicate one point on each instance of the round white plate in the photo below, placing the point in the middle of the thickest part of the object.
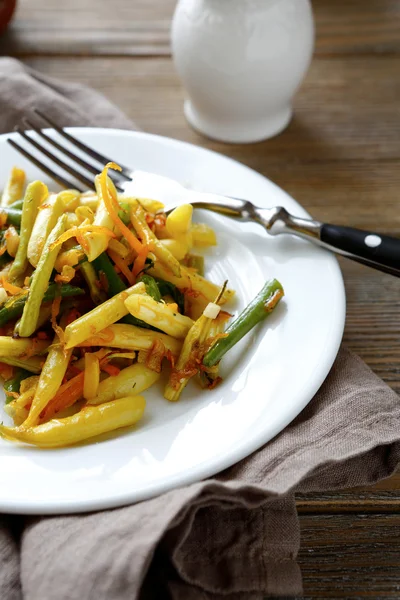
(268, 379)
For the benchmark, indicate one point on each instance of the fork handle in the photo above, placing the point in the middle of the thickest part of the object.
(379, 251)
(372, 249)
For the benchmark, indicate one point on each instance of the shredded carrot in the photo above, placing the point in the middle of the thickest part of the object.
(107, 368)
(72, 371)
(6, 371)
(55, 309)
(112, 207)
(66, 396)
(140, 262)
(13, 394)
(83, 242)
(123, 266)
(10, 288)
(171, 358)
(27, 281)
(78, 232)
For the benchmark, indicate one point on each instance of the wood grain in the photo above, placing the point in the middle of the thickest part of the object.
(350, 556)
(142, 27)
(347, 109)
(339, 158)
(382, 498)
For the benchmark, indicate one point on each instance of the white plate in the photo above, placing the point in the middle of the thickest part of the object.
(269, 378)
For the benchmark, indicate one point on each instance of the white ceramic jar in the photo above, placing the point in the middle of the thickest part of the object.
(241, 62)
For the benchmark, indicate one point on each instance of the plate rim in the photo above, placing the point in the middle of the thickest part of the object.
(201, 472)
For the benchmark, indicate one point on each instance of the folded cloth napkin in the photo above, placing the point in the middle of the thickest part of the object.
(235, 535)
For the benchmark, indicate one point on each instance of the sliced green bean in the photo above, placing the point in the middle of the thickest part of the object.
(124, 213)
(262, 305)
(13, 215)
(169, 289)
(14, 307)
(104, 265)
(151, 286)
(89, 273)
(40, 280)
(17, 205)
(13, 384)
(35, 194)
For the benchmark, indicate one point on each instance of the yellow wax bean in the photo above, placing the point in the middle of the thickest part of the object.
(148, 238)
(89, 199)
(98, 242)
(46, 219)
(14, 187)
(203, 235)
(100, 317)
(158, 315)
(12, 240)
(149, 204)
(92, 376)
(34, 195)
(195, 339)
(40, 281)
(130, 337)
(33, 363)
(178, 248)
(179, 221)
(50, 380)
(89, 422)
(131, 380)
(190, 281)
(18, 347)
(88, 271)
(119, 248)
(69, 258)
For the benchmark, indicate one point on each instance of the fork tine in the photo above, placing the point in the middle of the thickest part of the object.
(82, 178)
(125, 172)
(52, 174)
(59, 147)
(64, 150)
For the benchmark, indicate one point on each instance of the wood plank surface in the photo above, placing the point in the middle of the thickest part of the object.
(347, 110)
(142, 27)
(350, 556)
(339, 157)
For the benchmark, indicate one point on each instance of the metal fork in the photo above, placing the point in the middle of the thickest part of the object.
(366, 247)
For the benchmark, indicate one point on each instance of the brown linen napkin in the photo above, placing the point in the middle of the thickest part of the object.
(235, 535)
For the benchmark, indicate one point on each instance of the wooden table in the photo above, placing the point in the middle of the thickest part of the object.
(340, 158)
